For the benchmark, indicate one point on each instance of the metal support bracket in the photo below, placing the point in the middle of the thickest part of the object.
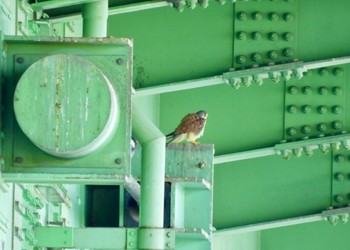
(152, 238)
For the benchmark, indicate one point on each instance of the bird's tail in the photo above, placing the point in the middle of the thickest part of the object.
(170, 135)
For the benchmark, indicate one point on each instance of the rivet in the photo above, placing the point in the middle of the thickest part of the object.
(256, 35)
(241, 59)
(323, 71)
(168, 234)
(338, 71)
(118, 161)
(337, 91)
(273, 16)
(291, 131)
(256, 57)
(306, 109)
(168, 245)
(288, 52)
(307, 90)
(339, 198)
(241, 35)
(337, 109)
(306, 129)
(257, 16)
(273, 54)
(323, 90)
(201, 165)
(120, 61)
(131, 244)
(339, 176)
(273, 36)
(337, 124)
(292, 109)
(292, 90)
(288, 36)
(242, 16)
(288, 17)
(20, 60)
(132, 233)
(322, 127)
(322, 109)
(19, 159)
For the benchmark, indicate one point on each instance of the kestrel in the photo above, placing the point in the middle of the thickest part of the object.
(191, 128)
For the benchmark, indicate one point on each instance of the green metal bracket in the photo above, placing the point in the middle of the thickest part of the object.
(109, 238)
(131, 238)
(111, 55)
(156, 238)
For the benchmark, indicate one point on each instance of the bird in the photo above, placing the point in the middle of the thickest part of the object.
(190, 128)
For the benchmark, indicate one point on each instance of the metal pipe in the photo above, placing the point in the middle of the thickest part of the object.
(152, 141)
(95, 16)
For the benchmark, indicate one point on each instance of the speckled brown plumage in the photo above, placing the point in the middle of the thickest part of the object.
(190, 128)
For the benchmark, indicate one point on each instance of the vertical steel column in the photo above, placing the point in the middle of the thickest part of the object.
(95, 19)
(152, 170)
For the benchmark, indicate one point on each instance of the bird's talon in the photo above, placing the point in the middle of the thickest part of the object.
(195, 142)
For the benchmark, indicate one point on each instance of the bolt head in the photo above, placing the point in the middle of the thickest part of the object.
(120, 61)
(288, 17)
(338, 71)
(339, 198)
(257, 16)
(256, 35)
(273, 36)
(323, 90)
(337, 124)
(273, 16)
(292, 109)
(306, 129)
(306, 109)
(307, 90)
(292, 90)
(288, 52)
(288, 36)
(322, 109)
(242, 35)
(242, 16)
(322, 127)
(337, 90)
(323, 71)
(291, 131)
(241, 59)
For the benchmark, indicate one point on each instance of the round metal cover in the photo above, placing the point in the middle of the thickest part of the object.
(66, 106)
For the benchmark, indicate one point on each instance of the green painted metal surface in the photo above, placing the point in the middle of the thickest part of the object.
(75, 107)
(110, 56)
(278, 118)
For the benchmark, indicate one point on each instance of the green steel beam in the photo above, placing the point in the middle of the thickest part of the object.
(261, 73)
(137, 7)
(289, 149)
(95, 16)
(333, 216)
(96, 238)
(54, 4)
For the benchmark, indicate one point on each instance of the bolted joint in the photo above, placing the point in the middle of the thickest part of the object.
(156, 238)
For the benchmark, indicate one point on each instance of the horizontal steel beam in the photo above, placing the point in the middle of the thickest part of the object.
(261, 72)
(289, 149)
(333, 216)
(54, 4)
